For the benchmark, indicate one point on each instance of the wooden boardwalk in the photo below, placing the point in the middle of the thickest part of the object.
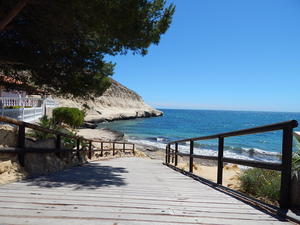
(122, 191)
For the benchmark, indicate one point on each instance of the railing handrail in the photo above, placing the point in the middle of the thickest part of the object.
(28, 101)
(47, 130)
(22, 98)
(284, 166)
(254, 130)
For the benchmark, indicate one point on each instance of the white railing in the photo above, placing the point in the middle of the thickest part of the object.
(30, 109)
(12, 101)
(24, 114)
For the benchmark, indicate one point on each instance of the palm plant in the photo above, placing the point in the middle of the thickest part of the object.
(296, 154)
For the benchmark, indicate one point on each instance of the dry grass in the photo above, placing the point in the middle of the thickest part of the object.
(138, 153)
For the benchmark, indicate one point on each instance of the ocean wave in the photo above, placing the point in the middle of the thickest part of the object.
(211, 150)
(159, 139)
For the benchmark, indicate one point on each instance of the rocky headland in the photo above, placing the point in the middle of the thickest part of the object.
(117, 103)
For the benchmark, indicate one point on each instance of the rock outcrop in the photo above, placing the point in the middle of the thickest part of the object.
(118, 102)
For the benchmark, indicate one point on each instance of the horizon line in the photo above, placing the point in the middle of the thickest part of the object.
(236, 110)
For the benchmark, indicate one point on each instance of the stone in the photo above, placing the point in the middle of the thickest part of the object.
(8, 136)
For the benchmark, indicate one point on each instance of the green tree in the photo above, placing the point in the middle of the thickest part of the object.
(60, 45)
(73, 117)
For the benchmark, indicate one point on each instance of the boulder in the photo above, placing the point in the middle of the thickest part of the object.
(8, 136)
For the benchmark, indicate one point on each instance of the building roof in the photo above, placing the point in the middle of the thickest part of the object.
(10, 83)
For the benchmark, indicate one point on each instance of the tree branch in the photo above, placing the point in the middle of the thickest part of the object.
(12, 14)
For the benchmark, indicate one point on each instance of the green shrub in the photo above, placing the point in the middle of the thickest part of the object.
(296, 155)
(296, 161)
(68, 143)
(261, 183)
(16, 107)
(44, 122)
(70, 116)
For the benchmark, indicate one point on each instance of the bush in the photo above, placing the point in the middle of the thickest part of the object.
(44, 122)
(68, 143)
(296, 161)
(261, 183)
(296, 155)
(70, 116)
(16, 107)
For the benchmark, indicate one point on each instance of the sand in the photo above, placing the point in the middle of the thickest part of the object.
(101, 134)
(230, 173)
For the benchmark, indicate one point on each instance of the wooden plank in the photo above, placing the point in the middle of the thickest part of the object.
(122, 191)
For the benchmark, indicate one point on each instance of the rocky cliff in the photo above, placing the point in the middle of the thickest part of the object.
(117, 102)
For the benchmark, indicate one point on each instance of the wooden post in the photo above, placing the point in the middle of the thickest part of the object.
(58, 146)
(133, 149)
(78, 148)
(124, 148)
(172, 156)
(220, 160)
(101, 149)
(90, 149)
(78, 144)
(58, 142)
(113, 148)
(166, 154)
(176, 156)
(191, 156)
(285, 188)
(169, 154)
(21, 144)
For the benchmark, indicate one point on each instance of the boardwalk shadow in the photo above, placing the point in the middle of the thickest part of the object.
(88, 176)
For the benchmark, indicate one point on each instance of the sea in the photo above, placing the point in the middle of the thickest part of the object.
(178, 124)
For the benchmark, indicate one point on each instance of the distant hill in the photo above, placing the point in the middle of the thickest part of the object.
(117, 102)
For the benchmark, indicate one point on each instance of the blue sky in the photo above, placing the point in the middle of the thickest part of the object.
(222, 54)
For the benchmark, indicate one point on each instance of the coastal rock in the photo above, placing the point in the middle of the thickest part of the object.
(117, 103)
(8, 136)
(89, 125)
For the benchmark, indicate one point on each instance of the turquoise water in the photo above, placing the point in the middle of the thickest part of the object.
(179, 124)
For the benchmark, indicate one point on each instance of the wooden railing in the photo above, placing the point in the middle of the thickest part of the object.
(82, 144)
(172, 154)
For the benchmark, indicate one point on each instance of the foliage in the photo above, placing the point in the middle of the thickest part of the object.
(70, 116)
(16, 107)
(44, 122)
(48, 123)
(261, 183)
(296, 161)
(65, 54)
(68, 143)
(296, 156)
